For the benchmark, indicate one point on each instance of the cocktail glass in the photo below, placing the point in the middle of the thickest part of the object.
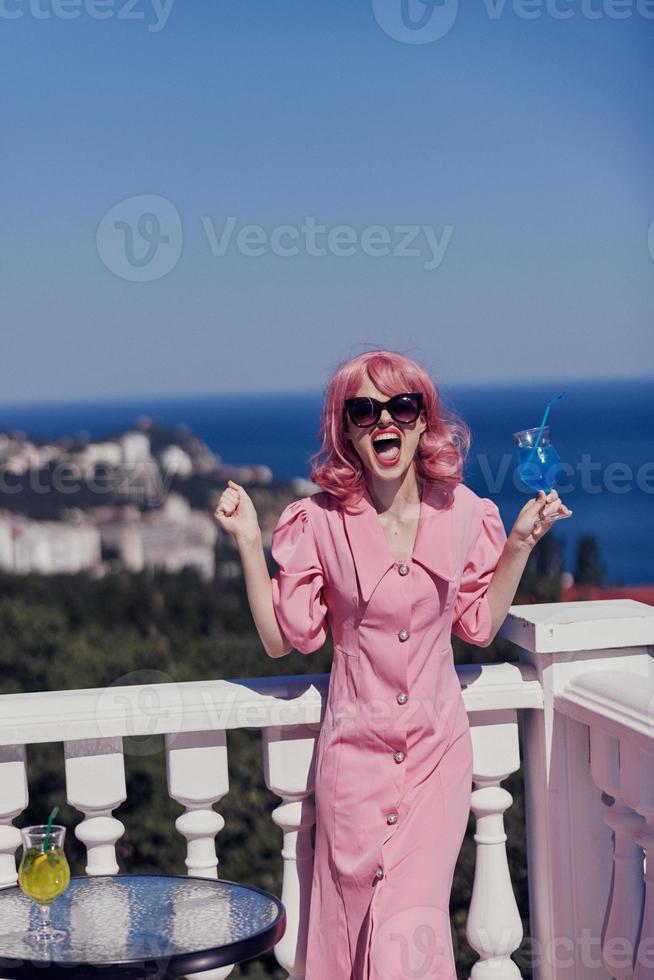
(44, 874)
(538, 461)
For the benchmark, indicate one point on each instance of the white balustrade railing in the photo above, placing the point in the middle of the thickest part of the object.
(589, 786)
(579, 702)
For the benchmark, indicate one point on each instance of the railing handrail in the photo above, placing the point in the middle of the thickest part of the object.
(251, 702)
(570, 627)
(614, 701)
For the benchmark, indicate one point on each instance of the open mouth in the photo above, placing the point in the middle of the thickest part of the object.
(387, 446)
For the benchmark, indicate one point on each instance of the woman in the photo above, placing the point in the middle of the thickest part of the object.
(394, 555)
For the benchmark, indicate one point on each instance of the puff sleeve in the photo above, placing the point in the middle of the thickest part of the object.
(471, 620)
(297, 583)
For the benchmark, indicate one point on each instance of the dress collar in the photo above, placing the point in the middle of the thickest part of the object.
(370, 551)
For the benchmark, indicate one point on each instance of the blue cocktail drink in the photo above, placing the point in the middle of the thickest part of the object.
(538, 460)
(537, 468)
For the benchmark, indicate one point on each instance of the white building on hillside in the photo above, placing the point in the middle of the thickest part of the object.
(47, 547)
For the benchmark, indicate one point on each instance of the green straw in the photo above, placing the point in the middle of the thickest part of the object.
(53, 814)
(542, 425)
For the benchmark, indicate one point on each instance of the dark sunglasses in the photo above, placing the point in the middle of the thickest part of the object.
(364, 412)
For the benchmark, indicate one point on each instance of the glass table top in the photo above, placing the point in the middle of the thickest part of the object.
(130, 919)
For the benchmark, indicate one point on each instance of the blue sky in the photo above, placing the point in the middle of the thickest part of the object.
(486, 196)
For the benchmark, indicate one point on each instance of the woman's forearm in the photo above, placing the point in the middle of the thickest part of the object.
(533, 521)
(504, 583)
(259, 592)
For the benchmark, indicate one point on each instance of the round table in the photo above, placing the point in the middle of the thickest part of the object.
(136, 926)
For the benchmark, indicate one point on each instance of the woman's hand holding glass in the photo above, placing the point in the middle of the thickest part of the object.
(537, 516)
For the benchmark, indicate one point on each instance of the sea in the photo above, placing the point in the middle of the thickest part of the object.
(603, 431)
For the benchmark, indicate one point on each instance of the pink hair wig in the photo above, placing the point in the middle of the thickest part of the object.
(443, 446)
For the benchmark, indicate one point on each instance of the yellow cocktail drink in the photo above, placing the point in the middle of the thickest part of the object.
(44, 875)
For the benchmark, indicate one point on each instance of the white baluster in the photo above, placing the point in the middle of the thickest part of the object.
(288, 762)
(13, 800)
(644, 962)
(494, 928)
(618, 942)
(609, 765)
(637, 780)
(198, 776)
(95, 785)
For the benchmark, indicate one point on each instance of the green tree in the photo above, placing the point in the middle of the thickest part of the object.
(589, 568)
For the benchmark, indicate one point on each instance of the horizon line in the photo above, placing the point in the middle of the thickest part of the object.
(267, 393)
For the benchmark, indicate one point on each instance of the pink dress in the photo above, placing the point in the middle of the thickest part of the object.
(393, 765)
